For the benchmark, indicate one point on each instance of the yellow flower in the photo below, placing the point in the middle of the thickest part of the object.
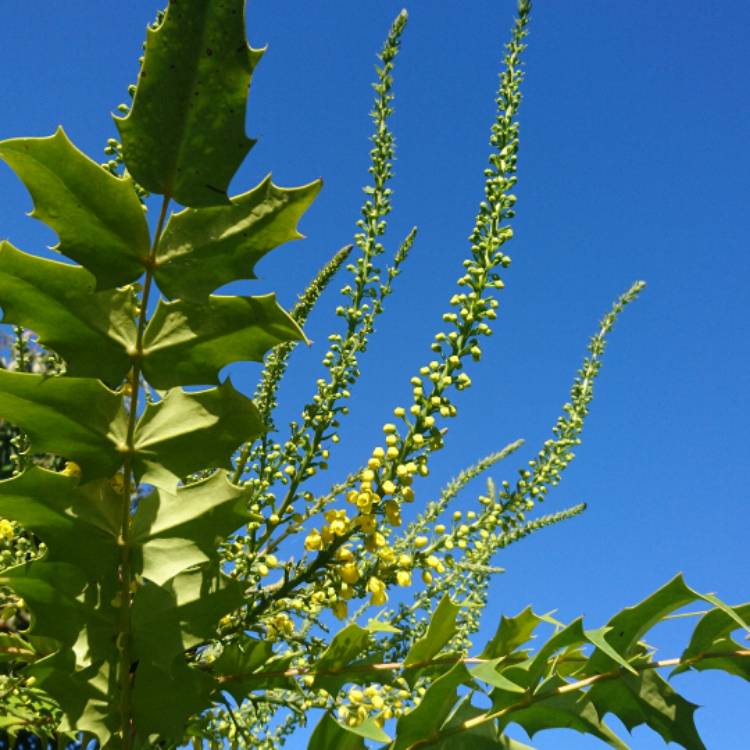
(388, 487)
(421, 541)
(367, 523)
(349, 573)
(71, 469)
(403, 578)
(341, 609)
(7, 532)
(427, 576)
(376, 587)
(313, 541)
(393, 513)
(338, 520)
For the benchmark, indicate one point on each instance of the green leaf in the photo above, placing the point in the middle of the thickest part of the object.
(184, 612)
(648, 699)
(185, 134)
(51, 591)
(441, 629)
(488, 673)
(203, 249)
(97, 216)
(243, 664)
(49, 505)
(425, 721)
(188, 343)
(178, 530)
(78, 418)
(185, 432)
(91, 331)
(330, 735)
(483, 736)
(370, 730)
(568, 710)
(15, 648)
(627, 627)
(511, 633)
(346, 645)
(164, 699)
(712, 636)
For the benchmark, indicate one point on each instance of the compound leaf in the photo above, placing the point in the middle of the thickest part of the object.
(202, 249)
(185, 432)
(188, 343)
(90, 330)
(97, 216)
(185, 134)
(78, 418)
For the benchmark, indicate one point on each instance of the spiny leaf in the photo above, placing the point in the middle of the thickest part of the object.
(202, 249)
(97, 216)
(511, 633)
(712, 635)
(48, 504)
(627, 627)
(185, 134)
(240, 662)
(78, 418)
(330, 735)
(441, 629)
(428, 717)
(188, 343)
(346, 645)
(568, 710)
(648, 699)
(90, 330)
(171, 618)
(175, 531)
(186, 432)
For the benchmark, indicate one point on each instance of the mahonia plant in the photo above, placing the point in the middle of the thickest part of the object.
(166, 573)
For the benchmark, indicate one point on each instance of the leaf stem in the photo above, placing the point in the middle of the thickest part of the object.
(124, 641)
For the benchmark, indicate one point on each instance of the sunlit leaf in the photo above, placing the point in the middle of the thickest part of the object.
(188, 343)
(185, 134)
(97, 216)
(202, 249)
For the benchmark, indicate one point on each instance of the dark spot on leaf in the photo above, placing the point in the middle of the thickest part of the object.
(209, 52)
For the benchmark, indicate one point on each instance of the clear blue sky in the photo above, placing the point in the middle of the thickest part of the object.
(634, 164)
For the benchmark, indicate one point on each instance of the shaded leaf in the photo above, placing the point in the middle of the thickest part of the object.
(648, 699)
(78, 418)
(186, 432)
(712, 636)
(330, 735)
(175, 531)
(90, 330)
(49, 504)
(97, 216)
(202, 249)
(346, 645)
(243, 666)
(164, 699)
(185, 134)
(568, 710)
(171, 618)
(188, 343)
(425, 721)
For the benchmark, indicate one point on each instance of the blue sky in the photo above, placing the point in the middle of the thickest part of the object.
(633, 164)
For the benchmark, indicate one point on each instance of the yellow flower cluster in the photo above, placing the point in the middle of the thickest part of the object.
(381, 702)
(7, 530)
(280, 625)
